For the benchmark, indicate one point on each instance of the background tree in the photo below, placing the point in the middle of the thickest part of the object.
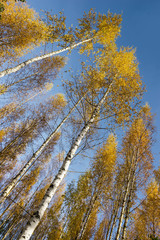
(82, 202)
(145, 223)
(134, 171)
(15, 40)
(27, 133)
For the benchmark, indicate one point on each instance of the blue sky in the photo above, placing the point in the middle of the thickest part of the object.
(140, 29)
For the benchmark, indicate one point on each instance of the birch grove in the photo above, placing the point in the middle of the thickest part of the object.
(33, 158)
(64, 174)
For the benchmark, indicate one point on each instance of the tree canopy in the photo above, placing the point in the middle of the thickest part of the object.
(50, 121)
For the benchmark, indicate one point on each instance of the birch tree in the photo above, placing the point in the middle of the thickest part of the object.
(16, 206)
(32, 78)
(133, 170)
(92, 28)
(137, 162)
(51, 225)
(37, 153)
(23, 135)
(83, 201)
(145, 223)
(102, 173)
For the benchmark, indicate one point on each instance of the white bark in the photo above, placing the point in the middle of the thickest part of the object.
(113, 217)
(113, 221)
(129, 182)
(35, 59)
(36, 217)
(113, 224)
(108, 227)
(122, 212)
(33, 158)
(86, 217)
(127, 209)
(125, 222)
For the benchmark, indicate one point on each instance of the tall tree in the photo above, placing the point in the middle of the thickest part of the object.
(145, 223)
(38, 152)
(26, 134)
(134, 172)
(83, 201)
(96, 183)
(33, 77)
(92, 28)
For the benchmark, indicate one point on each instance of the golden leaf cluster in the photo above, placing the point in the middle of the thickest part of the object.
(21, 30)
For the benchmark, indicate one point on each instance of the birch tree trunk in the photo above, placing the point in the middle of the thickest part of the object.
(127, 209)
(36, 217)
(113, 217)
(86, 217)
(35, 59)
(15, 180)
(14, 140)
(126, 221)
(124, 202)
(21, 80)
(108, 228)
(113, 223)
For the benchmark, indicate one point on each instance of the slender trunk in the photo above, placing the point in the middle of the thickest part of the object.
(124, 202)
(86, 217)
(9, 230)
(14, 141)
(126, 219)
(12, 84)
(35, 59)
(36, 217)
(108, 227)
(127, 209)
(113, 223)
(62, 230)
(113, 217)
(33, 158)
(110, 222)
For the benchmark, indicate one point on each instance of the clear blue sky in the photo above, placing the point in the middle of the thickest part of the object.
(140, 29)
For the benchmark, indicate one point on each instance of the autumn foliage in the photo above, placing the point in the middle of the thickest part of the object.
(21, 30)
(49, 122)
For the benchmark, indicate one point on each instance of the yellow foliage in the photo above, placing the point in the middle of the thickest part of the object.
(124, 62)
(48, 86)
(2, 89)
(2, 133)
(108, 28)
(121, 67)
(58, 100)
(102, 29)
(108, 151)
(157, 175)
(106, 157)
(137, 145)
(153, 190)
(147, 216)
(60, 156)
(21, 29)
(146, 111)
